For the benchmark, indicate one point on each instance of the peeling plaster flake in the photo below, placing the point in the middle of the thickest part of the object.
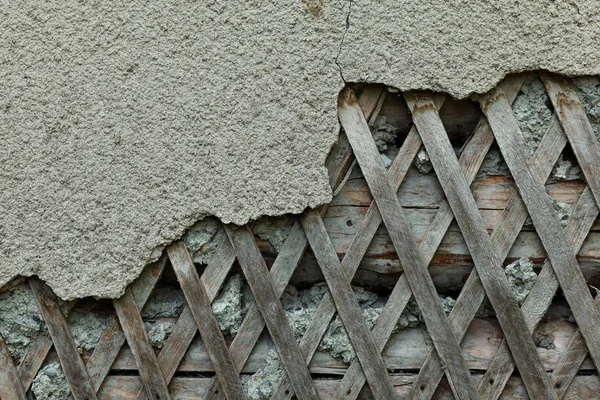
(122, 124)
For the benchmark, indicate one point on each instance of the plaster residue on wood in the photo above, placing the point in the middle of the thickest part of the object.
(124, 124)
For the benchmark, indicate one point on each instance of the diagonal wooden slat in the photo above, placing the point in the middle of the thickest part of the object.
(487, 262)
(568, 365)
(539, 299)
(552, 236)
(107, 349)
(399, 296)
(133, 328)
(338, 165)
(199, 304)
(471, 157)
(253, 324)
(185, 328)
(472, 294)
(420, 281)
(347, 306)
(266, 297)
(10, 384)
(72, 364)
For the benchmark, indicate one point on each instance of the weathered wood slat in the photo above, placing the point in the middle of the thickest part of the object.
(200, 307)
(571, 361)
(420, 282)
(10, 383)
(502, 239)
(472, 155)
(574, 120)
(266, 297)
(185, 329)
(509, 137)
(347, 306)
(133, 329)
(107, 349)
(253, 323)
(406, 349)
(540, 297)
(73, 367)
(34, 359)
(487, 262)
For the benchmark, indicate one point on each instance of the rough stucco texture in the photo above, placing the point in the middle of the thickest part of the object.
(124, 123)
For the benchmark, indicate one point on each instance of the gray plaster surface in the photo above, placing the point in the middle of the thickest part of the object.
(122, 124)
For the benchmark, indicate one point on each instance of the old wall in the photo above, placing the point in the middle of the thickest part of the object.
(123, 124)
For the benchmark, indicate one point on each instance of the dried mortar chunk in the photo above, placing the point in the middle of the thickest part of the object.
(422, 162)
(50, 383)
(20, 318)
(533, 112)
(275, 230)
(200, 239)
(87, 325)
(166, 301)
(387, 162)
(228, 307)
(493, 165)
(588, 90)
(159, 332)
(383, 133)
(563, 211)
(566, 169)
(262, 384)
(521, 278)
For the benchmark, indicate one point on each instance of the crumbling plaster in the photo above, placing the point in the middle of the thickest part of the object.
(124, 123)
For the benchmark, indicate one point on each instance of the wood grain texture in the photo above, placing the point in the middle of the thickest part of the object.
(253, 323)
(112, 339)
(72, 364)
(10, 382)
(33, 360)
(503, 238)
(509, 137)
(575, 122)
(569, 364)
(137, 339)
(471, 157)
(420, 281)
(539, 299)
(347, 306)
(185, 328)
(200, 307)
(487, 261)
(267, 299)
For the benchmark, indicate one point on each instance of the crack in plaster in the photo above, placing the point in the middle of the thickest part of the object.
(347, 27)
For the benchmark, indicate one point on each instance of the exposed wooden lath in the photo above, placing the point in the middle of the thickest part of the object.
(446, 358)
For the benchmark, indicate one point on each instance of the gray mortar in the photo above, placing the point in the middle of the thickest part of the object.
(50, 383)
(531, 107)
(422, 162)
(261, 384)
(387, 162)
(150, 118)
(545, 342)
(20, 319)
(521, 278)
(588, 89)
(275, 230)
(566, 169)
(159, 332)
